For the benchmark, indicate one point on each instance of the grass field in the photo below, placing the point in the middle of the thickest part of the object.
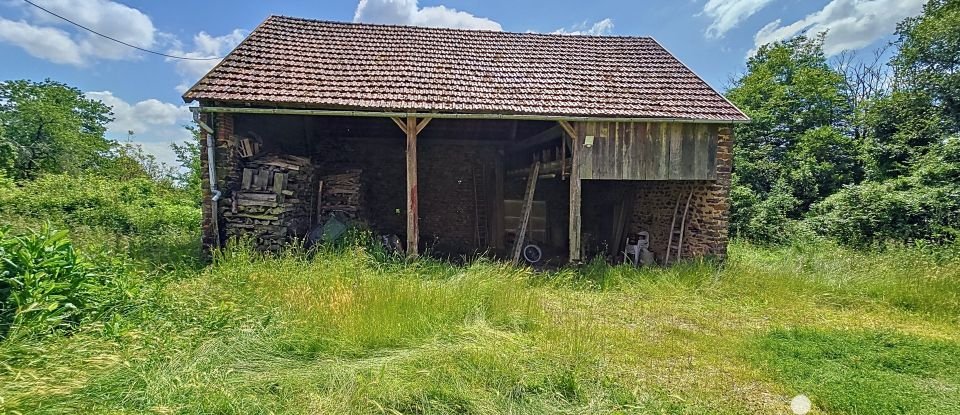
(347, 331)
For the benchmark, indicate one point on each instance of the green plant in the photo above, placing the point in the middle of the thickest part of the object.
(47, 286)
(145, 219)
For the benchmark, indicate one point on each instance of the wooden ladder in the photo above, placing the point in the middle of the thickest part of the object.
(480, 205)
(525, 212)
(677, 232)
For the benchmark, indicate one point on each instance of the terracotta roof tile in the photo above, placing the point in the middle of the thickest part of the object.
(292, 61)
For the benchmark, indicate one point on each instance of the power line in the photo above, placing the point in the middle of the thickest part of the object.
(187, 58)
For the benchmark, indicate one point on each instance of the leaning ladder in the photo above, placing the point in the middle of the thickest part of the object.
(480, 206)
(525, 213)
(677, 232)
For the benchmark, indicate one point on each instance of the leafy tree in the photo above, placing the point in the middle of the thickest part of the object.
(128, 160)
(8, 153)
(796, 150)
(51, 127)
(928, 60)
(900, 128)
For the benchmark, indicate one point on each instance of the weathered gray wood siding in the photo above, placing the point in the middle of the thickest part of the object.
(648, 151)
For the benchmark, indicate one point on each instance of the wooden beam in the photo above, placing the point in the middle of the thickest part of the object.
(400, 124)
(548, 167)
(423, 124)
(563, 157)
(525, 213)
(547, 135)
(413, 211)
(568, 128)
(437, 141)
(575, 221)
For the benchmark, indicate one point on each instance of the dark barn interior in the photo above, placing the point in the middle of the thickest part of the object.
(473, 176)
(460, 163)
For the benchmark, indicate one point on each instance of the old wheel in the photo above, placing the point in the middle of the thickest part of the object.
(532, 253)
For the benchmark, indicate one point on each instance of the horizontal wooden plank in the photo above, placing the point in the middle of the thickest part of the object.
(648, 151)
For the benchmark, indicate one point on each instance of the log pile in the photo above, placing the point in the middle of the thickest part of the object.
(273, 202)
(341, 193)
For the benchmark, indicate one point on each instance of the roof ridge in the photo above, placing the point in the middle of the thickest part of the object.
(455, 29)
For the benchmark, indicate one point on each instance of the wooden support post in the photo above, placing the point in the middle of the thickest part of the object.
(525, 212)
(575, 222)
(413, 219)
(497, 233)
(563, 158)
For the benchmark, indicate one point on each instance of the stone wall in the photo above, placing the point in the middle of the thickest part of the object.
(228, 171)
(709, 215)
(449, 175)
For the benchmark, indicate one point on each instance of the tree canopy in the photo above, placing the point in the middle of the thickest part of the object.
(50, 127)
(861, 152)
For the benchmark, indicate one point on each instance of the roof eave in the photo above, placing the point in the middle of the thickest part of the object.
(377, 112)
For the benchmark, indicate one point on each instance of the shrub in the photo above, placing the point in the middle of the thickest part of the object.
(898, 210)
(762, 220)
(134, 206)
(47, 286)
(150, 220)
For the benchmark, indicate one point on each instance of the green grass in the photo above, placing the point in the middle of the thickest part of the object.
(349, 331)
(865, 372)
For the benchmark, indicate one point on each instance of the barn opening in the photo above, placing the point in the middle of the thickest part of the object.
(472, 178)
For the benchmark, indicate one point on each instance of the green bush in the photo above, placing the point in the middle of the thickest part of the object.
(898, 210)
(47, 286)
(763, 220)
(134, 206)
(147, 219)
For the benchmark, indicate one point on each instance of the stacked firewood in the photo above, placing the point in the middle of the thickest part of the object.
(273, 203)
(341, 193)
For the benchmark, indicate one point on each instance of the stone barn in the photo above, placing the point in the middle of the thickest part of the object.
(461, 142)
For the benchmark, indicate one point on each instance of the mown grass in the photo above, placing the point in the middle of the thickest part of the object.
(348, 330)
(865, 372)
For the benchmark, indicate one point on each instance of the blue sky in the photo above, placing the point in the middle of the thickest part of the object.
(713, 37)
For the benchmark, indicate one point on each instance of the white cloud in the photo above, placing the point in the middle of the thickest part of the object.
(204, 46)
(850, 24)
(599, 28)
(48, 37)
(727, 14)
(155, 124)
(46, 43)
(407, 12)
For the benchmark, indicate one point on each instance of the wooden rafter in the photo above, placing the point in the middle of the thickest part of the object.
(549, 134)
(568, 128)
(423, 124)
(400, 124)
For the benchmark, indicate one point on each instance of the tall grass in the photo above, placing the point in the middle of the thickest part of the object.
(352, 329)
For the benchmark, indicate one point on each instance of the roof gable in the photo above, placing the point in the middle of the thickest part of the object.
(308, 63)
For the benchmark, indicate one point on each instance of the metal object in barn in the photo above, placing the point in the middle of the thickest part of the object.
(638, 249)
(532, 254)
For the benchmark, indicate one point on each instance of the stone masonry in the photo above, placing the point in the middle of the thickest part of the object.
(708, 219)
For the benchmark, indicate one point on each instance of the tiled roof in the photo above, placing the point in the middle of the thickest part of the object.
(308, 63)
